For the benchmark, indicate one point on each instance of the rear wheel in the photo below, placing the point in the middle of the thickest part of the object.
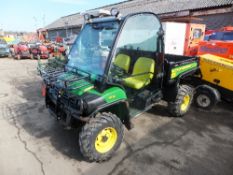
(206, 97)
(183, 101)
(101, 137)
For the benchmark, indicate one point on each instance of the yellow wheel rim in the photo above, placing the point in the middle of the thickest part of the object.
(106, 140)
(185, 103)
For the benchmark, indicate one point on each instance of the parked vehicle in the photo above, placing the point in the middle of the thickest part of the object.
(213, 82)
(56, 49)
(112, 76)
(21, 50)
(4, 49)
(50, 47)
(60, 50)
(39, 51)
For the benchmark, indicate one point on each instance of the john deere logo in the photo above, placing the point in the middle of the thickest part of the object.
(179, 70)
(111, 97)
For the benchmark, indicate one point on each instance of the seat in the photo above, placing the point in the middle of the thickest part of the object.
(123, 61)
(142, 75)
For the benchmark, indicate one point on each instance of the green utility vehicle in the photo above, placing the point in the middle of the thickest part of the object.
(116, 70)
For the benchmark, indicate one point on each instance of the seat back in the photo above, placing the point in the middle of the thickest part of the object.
(123, 61)
(144, 65)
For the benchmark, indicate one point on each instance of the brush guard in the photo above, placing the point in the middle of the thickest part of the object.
(59, 81)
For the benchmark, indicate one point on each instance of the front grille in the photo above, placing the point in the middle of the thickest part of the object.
(53, 95)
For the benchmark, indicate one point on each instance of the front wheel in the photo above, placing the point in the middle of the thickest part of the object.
(183, 101)
(101, 137)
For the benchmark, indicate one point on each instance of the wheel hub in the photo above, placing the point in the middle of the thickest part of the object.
(185, 104)
(203, 100)
(105, 140)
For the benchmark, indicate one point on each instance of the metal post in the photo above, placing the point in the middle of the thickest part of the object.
(66, 24)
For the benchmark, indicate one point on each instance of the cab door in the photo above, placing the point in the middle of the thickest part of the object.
(138, 52)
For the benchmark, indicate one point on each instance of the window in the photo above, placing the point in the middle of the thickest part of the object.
(197, 33)
(138, 39)
(140, 32)
(91, 48)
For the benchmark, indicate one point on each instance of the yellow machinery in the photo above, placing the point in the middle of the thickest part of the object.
(217, 70)
(214, 82)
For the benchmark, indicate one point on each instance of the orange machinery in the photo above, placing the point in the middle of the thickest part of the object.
(215, 47)
(219, 44)
(194, 34)
(182, 38)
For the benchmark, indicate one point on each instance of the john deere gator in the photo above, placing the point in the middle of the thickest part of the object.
(116, 70)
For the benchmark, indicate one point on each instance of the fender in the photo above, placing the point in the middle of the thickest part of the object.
(120, 108)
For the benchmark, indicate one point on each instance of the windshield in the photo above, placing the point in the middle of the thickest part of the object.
(92, 47)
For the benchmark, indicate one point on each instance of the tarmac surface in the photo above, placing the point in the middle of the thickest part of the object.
(33, 143)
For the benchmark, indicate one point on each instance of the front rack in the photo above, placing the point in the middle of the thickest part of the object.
(68, 77)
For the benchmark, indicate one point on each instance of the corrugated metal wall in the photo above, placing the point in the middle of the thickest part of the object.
(216, 21)
(213, 22)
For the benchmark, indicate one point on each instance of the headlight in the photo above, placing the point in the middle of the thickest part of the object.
(86, 17)
(114, 12)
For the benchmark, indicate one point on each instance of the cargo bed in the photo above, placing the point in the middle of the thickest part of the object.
(179, 66)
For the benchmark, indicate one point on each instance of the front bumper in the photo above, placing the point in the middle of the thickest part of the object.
(44, 56)
(25, 54)
(62, 107)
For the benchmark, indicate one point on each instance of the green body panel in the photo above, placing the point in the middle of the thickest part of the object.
(110, 95)
(114, 94)
(181, 69)
(86, 87)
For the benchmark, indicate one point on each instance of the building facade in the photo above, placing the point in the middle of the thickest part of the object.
(214, 13)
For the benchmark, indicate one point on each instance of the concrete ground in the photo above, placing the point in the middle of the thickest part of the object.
(33, 143)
